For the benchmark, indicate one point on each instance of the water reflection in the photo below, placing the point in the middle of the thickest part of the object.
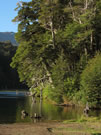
(10, 109)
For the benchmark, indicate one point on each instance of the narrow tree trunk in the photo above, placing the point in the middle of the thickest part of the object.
(73, 14)
(91, 41)
(85, 51)
(41, 94)
(47, 73)
(86, 4)
(80, 21)
(52, 31)
(40, 108)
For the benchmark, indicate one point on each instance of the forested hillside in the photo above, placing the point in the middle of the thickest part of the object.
(8, 77)
(57, 39)
(8, 36)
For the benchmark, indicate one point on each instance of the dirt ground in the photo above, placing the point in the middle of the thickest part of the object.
(52, 128)
(26, 129)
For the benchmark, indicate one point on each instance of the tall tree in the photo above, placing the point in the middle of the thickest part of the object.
(56, 35)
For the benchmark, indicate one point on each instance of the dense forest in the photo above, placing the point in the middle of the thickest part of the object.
(8, 77)
(59, 49)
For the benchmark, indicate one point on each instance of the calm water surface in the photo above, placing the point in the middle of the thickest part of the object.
(12, 103)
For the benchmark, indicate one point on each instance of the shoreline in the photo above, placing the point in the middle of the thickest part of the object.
(51, 128)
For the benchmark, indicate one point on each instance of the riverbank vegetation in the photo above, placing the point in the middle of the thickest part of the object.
(59, 49)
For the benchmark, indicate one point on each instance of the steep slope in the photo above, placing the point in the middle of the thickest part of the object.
(8, 36)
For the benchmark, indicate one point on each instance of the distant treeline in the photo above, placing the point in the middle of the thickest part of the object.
(8, 76)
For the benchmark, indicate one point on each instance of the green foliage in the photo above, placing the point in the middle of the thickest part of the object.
(56, 40)
(83, 118)
(88, 119)
(52, 94)
(71, 86)
(91, 81)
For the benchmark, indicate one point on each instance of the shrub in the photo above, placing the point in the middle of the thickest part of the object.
(91, 82)
(52, 94)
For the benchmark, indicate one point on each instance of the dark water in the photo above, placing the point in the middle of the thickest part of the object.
(12, 103)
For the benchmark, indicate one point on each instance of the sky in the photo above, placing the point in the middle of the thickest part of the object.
(7, 13)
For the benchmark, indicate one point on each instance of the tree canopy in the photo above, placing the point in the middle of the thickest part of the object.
(57, 38)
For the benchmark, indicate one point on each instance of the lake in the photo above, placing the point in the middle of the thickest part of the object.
(13, 102)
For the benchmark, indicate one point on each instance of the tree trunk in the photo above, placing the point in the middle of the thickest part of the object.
(91, 41)
(73, 14)
(52, 31)
(41, 94)
(86, 4)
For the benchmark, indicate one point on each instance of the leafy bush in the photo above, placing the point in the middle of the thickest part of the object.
(91, 82)
(71, 87)
(52, 94)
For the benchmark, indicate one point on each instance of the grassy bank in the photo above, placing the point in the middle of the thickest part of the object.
(83, 126)
(75, 128)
